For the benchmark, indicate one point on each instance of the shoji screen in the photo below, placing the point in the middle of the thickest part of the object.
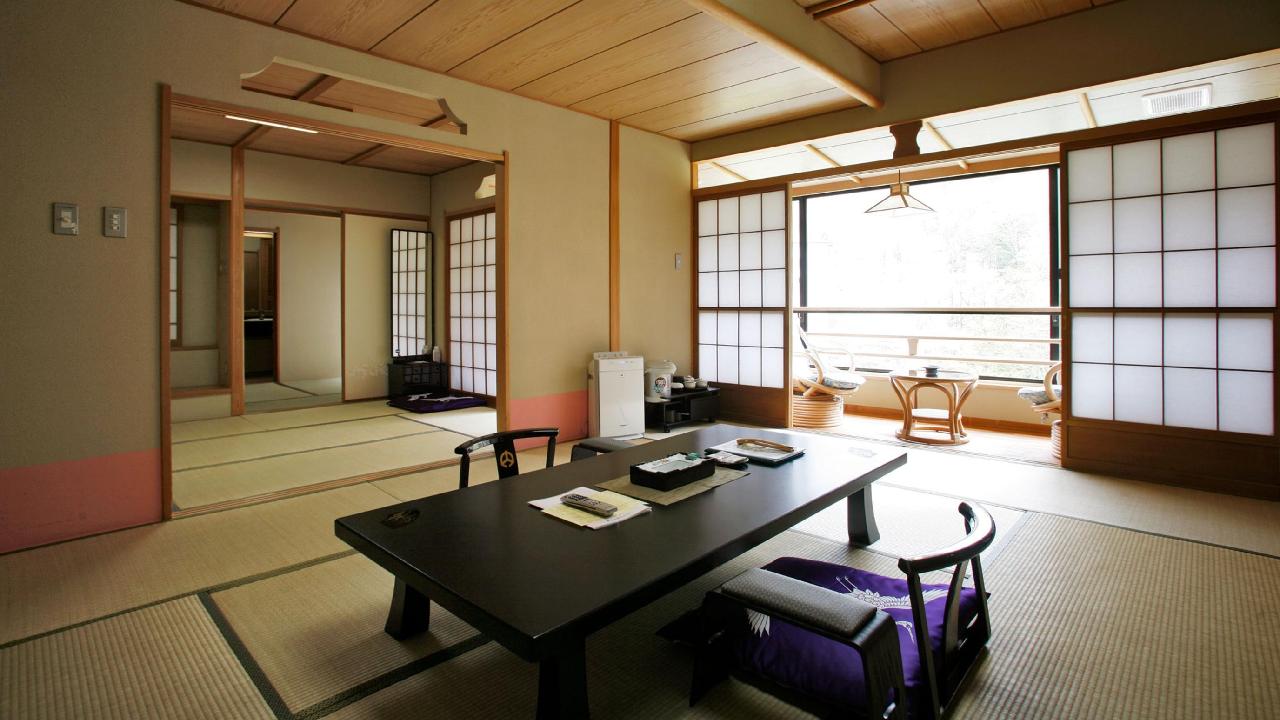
(742, 303)
(410, 292)
(473, 303)
(1171, 306)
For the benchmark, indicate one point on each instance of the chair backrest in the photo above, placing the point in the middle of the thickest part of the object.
(504, 450)
(815, 354)
(1049, 391)
(957, 654)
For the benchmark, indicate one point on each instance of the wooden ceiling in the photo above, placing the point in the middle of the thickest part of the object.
(657, 65)
(198, 126)
(890, 29)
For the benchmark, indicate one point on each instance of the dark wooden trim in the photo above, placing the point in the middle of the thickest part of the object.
(366, 154)
(318, 88)
(503, 204)
(275, 303)
(186, 348)
(254, 135)
(179, 253)
(235, 282)
(189, 198)
(166, 395)
(342, 296)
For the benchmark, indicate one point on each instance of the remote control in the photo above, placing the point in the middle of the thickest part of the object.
(582, 502)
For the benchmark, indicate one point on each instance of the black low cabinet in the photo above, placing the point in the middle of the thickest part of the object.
(415, 378)
(682, 408)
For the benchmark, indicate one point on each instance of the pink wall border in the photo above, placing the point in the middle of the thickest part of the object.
(567, 411)
(40, 504)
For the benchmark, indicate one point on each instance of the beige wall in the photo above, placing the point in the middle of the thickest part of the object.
(202, 233)
(268, 176)
(199, 168)
(368, 313)
(193, 368)
(308, 297)
(654, 227)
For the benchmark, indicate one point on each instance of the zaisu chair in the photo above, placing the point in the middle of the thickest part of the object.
(838, 641)
(823, 390)
(1047, 401)
(504, 450)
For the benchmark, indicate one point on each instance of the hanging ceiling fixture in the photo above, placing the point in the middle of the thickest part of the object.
(900, 201)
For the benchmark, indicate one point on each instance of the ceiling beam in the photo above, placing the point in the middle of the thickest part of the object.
(831, 7)
(830, 161)
(727, 171)
(786, 28)
(365, 155)
(1087, 110)
(318, 88)
(251, 137)
(938, 138)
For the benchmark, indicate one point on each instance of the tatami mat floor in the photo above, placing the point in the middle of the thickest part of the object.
(1101, 608)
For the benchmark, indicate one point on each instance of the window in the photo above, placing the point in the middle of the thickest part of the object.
(742, 268)
(175, 277)
(987, 254)
(410, 292)
(473, 303)
(1172, 280)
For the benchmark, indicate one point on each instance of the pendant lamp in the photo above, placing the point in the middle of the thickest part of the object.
(900, 201)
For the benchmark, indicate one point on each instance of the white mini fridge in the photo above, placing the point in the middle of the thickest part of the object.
(615, 395)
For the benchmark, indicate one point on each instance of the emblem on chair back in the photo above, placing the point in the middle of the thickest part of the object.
(506, 459)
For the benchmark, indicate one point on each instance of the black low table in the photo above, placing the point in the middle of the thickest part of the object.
(683, 407)
(540, 586)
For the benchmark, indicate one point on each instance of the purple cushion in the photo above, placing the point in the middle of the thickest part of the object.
(827, 669)
(434, 403)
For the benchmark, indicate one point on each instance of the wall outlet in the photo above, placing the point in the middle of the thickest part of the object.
(679, 260)
(115, 222)
(66, 219)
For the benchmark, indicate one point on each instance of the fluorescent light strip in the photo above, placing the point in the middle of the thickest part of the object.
(272, 124)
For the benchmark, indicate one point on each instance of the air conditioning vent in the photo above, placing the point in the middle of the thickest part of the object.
(1169, 102)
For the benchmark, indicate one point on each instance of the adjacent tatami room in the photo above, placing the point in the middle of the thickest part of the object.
(297, 295)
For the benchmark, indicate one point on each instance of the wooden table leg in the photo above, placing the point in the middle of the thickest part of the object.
(862, 518)
(562, 685)
(410, 612)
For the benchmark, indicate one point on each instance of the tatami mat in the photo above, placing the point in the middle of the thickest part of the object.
(205, 486)
(473, 421)
(324, 386)
(1097, 622)
(164, 662)
(911, 523)
(261, 392)
(1215, 518)
(220, 427)
(58, 585)
(237, 448)
(318, 631)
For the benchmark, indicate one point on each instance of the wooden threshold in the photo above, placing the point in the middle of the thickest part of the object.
(206, 391)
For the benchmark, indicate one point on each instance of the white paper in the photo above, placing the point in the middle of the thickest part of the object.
(639, 509)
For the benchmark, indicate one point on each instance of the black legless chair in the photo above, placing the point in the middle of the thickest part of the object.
(816, 634)
(504, 450)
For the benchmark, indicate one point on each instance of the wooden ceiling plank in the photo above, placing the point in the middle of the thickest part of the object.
(773, 88)
(1014, 13)
(688, 41)
(252, 136)
(836, 7)
(261, 10)
(448, 33)
(869, 30)
(731, 68)
(936, 23)
(316, 147)
(580, 31)
(354, 23)
(781, 111)
(187, 124)
(365, 155)
(787, 29)
(281, 79)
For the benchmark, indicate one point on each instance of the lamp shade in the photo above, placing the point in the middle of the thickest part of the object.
(900, 202)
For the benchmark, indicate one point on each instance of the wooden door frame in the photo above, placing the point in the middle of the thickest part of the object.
(237, 203)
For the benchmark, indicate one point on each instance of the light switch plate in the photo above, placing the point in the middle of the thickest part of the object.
(115, 222)
(66, 219)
